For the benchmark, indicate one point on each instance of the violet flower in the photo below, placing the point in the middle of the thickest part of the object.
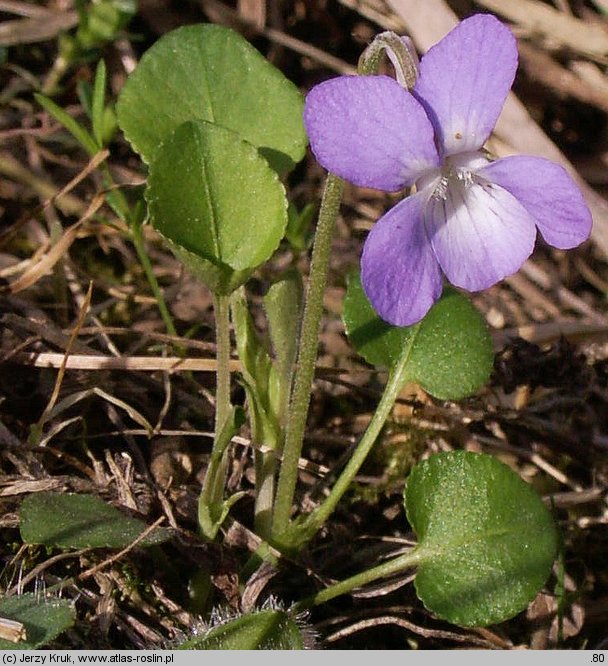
(471, 219)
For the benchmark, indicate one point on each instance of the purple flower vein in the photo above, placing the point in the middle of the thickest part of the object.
(471, 220)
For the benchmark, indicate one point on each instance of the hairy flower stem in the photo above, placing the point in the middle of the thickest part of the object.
(396, 381)
(304, 372)
(400, 51)
(396, 565)
(307, 354)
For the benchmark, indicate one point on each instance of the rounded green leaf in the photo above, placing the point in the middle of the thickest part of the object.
(209, 72)
(486, 540)
(42, 618)
(218, 203)
(68, 520)
(451, 353)
(378, 342)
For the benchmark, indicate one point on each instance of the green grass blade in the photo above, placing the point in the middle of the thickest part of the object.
(98, 103)
(74, 128)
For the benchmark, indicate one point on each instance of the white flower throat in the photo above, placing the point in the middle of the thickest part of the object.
(457, 172)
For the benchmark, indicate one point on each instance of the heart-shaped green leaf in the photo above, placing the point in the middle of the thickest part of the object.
(486, 540)
(208, 72)
(67, 520)
(43, 619)
(217, 202)
(451, 353)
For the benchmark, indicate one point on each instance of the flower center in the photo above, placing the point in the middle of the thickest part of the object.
(458, 171)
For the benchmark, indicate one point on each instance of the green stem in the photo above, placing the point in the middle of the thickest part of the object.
(212, 494)
(138, 243)
(222, 341)
(265, 470)
(396, 380)
(401, 563)
(307, 355)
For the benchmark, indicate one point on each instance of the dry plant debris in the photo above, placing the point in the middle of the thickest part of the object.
(120, 413)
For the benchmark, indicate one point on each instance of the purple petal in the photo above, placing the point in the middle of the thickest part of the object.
(369, 131)
(399, 271)
(548, 193)
(464, 81)
(480, 233)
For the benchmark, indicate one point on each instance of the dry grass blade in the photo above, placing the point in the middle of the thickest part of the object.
(376, 11)
(142, 363)
(12, 631)
(91, 165)
(543, 333)
(26, 486)
(56, 429)
(40, 266)
(253, 11)
(408, 626)
(75, 398)
(110, 560)
(219, 12)
(40, 568)
(14, 169)
(541, 67)
(23, 9)
(55, 395)
(427, 21)
(36, 29)
(582, 37)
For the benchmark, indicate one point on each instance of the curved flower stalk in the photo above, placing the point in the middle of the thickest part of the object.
(471, 219)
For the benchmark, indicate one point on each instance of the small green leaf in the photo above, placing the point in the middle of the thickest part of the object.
(84, 90)
(211, 513)
(98, 103)
(200, 592)
(451, 354)
(298, 231)
(109, 125)
(102, 20)
(283, 304)
(258, 373)
(208, 72)
(67, 520)
(252, 351)
(74, 127)
(378, 342)
(486, 540)
(44, 619)
(263, 630)
(212, 196)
